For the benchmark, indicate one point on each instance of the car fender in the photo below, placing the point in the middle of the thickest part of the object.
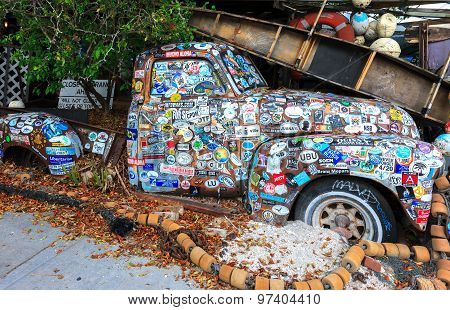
(282, 167)
(51, 138)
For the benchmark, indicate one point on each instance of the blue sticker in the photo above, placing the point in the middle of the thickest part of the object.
(301, 178)
(60, 150)
(400, 168)
(149, 167)
(333, 154)
(272, 197)
(58, 160)
(163, 183)
(132, 134)
(252, 196)
(403, 152)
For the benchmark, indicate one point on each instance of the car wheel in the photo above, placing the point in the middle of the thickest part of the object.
(351, 204)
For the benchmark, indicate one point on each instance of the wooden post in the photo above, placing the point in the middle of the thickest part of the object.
(423, 45)
(435, 88)
(306, 44)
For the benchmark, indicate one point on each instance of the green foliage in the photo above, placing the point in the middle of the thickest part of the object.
(74, 176)
(101, 178)
(87, 40)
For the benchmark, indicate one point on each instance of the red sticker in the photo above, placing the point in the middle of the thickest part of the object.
(279, 178)
(410, 178)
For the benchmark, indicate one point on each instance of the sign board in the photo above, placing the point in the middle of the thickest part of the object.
(73, 96)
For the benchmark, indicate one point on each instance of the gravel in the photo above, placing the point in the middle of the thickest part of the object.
(295, 251)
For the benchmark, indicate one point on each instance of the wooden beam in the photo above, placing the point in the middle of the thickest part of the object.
(277, 35)
(435, 34)
(365, 70)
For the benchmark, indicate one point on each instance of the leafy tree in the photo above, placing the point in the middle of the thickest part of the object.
(91, 39)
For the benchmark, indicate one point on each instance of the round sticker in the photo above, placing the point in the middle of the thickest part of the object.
(170, 159)
(265, 119)
(221, 155)
(280, 210)
(267, 216)
(248, 145)
(102, 136)
(183, 158)
(143, 176)
(269, 188)
(202, 46)
(27, 129)
(92, 136)
(403, 152)
(185, 184)
(197, 144)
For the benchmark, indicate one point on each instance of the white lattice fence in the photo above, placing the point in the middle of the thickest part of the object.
(13, 85)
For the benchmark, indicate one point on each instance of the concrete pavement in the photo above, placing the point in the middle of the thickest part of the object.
(33, 257)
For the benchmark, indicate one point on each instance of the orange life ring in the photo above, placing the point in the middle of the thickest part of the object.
(339, 22)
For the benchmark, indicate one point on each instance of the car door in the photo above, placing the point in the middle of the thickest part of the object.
(180, 137)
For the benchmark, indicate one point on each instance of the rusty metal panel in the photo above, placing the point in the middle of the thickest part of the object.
(338, 62)
(400, 85)
(288, 45)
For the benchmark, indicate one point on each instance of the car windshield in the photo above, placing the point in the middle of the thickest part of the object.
(243, 71)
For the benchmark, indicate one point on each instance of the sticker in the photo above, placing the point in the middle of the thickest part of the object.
(60, 141)
(301, 178)
(293, 111)
(272, 197)
(185, 184)
(60, 150)
(226, 180)
(269, 188)
(211, 183)
(410, 178)
(221, 155)
(92, 136)
(289, 128)
(178, 170)
(139, 74)
(26, 129)
(280, 210)
(267, 216)
(308, 157)
(183, 158)
(248, 145)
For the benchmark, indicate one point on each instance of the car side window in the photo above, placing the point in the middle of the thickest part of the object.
(185, 77)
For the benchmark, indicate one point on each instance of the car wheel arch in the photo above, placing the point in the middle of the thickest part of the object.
(392, 196)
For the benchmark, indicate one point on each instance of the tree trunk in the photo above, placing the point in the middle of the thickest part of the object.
(89, 89)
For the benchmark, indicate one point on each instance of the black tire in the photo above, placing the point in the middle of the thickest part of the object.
(349, 201)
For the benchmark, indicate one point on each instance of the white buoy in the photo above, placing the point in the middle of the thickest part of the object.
(386, 25)
(442, 142)
(17, 104)
(360, 22)
(360, 40)
(362, 4)
(371, 33)
(388, 46)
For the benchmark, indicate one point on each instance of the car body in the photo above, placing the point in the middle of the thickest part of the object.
(203, 122)
(49, 137)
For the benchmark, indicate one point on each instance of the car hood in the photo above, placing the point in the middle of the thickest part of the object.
(290, 112)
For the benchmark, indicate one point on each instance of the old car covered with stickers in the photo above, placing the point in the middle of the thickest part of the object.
(49, 137)
(203, 122)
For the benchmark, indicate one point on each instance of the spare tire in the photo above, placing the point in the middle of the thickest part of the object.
(349, 203)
